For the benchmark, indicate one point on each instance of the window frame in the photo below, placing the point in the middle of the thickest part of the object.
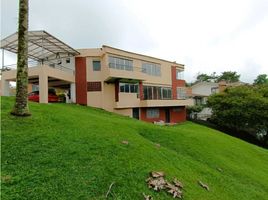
(152, 113)
(93, 67)
(181, 92)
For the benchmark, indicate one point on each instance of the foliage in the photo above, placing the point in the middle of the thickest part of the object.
(241, 108)
(194, 109)
(66, 151)
(228, 76)
(206, 78)
(261, 79)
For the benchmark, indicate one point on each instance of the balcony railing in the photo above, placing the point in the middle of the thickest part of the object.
(36, 64)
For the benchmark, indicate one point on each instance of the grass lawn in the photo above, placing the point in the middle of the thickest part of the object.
(75, 152)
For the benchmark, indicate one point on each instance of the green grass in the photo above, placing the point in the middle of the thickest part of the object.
(75, 152)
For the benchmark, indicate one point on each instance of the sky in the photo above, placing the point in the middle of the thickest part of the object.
(206, 36)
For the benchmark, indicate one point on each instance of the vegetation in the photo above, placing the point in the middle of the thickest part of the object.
(76, 152)
(242, 108)
(194, 109)
(21, 104)
(261, 79)
(206, 78)
(228, 76)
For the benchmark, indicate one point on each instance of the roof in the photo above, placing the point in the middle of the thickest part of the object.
(204, 83)
(175, 63)
(41, 46)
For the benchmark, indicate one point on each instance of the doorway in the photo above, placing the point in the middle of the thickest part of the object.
(136, 113)
(167, 113)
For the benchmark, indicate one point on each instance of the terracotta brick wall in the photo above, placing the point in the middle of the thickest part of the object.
(81, 80)
(175, 83)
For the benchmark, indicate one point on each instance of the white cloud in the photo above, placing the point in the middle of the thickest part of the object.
(205, 35)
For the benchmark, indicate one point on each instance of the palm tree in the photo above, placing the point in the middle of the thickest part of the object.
(21, 104)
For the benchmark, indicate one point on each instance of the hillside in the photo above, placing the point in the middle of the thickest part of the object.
(76, 152)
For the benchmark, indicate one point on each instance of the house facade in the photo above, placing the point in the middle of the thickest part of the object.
(131, 84)
(127, 83)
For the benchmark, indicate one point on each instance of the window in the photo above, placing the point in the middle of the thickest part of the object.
(177, 109)
(181, 93)
(214, 90)
(179, 75)
(68, 60)
(128, 87)
(94, 86)
(120, 63)
(151, 69)
(96, 65)
(152, 113)
(156, 92)
(166, 93)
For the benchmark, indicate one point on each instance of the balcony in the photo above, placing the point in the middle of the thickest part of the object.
(127, 100)
(131, 100)
(166, 103)
(111, 74)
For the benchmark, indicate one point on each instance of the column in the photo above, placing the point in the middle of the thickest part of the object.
(5, 87)
(43, 88)
(72, 91)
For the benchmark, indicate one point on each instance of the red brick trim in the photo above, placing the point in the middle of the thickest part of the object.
(175, 82)
(177, 114)
(81, 80)
(116, 90)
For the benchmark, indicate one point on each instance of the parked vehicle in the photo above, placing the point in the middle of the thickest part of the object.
(34, 96)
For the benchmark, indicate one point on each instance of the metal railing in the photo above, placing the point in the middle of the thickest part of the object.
(35, 64)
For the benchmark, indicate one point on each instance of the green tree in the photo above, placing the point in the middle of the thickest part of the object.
(21, 104)
(242, 108)
(261, 79)
(229, 77)
(206, 78)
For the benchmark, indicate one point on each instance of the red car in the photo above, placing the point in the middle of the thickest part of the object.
(34, 96)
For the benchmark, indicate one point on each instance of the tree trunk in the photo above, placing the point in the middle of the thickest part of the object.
(21, 104)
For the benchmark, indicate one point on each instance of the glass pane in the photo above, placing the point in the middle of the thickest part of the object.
(132, 88)
(145, 92)
(126, 87)
(122, 87)
(96, 65)
(150, 91)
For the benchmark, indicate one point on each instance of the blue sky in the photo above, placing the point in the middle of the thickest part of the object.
(206, 36)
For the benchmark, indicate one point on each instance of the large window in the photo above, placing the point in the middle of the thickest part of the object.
(152, 113)
(120, 63)
(151, 69)
(181, 93)
(96, 65)
(129, 87)
(155, 92)
(179, 74)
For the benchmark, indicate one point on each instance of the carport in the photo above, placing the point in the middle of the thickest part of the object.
(51, 63)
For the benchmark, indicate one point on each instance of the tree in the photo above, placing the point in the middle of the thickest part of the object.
(242, 108)
(261, 79)
(229, 77)
(206, 78)
(21, 103)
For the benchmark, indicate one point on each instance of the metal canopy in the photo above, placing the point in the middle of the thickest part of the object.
(42, 46)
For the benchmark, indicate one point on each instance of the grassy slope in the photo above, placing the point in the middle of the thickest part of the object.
(75, 152)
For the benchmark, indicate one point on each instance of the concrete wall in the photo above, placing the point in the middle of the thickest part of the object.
(203, 88)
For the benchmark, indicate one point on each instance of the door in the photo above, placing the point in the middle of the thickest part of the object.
(136, 113)
(167, 113)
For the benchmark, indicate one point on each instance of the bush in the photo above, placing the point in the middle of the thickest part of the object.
(243, 108)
